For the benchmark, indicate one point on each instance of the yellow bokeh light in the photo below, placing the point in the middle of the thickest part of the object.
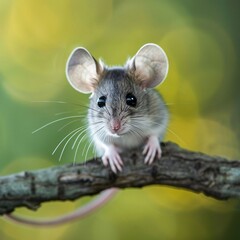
(36, 41)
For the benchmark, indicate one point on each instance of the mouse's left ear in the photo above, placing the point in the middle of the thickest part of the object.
(149, 66)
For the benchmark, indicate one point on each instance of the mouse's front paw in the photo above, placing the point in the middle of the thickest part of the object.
(152, 149)
(112, 157)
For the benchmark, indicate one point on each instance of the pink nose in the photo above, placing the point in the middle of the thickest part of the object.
(115, 125)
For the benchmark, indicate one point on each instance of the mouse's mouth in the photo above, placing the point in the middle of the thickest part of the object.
(117, 133)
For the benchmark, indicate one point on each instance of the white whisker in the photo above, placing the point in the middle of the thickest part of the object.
(137, 131)
(76, 151)
(75, 130)
(66, 112)
(91, 142)
(50, 123)
(178, 137)
(61, 102)
(60, 129)
(71, 103)
(67, 143)
(89, 145)
(79, 137)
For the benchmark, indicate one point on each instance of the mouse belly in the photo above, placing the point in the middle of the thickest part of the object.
(121, 142)
(110, 152)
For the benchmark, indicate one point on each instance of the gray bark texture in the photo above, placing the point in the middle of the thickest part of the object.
(213, 176)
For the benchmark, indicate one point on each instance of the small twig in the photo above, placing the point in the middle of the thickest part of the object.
(213, 176)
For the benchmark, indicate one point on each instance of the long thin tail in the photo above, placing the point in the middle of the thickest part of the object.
(79, 213)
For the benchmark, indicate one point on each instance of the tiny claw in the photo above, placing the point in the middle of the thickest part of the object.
(112, 157)
(114, 164)
(159, 153)
(105, 161)
(113, 167)
(152, 149)
(119, 160)
(145, 150)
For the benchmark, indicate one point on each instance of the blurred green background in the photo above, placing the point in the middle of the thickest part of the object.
(201, 39)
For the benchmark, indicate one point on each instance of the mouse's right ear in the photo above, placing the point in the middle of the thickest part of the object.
(83, 71)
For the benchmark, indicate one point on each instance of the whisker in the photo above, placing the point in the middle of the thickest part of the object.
(95, 155)
(136, 116)
(156, 123)
(97, 122)
(76, 151)
(60, 129)
(133, 133)
(79, 137)
(75, 130)
(169, 104)
(66, 112)
(92, 141)
(67, 143)
(89, 145)
(85, 146)
(178, 137)
(50, 123)
(159, 124)
(138, 128)
(107, 110)
(136, 132)
(62, 102)
(78, 145)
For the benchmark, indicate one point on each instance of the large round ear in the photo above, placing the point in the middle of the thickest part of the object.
(149, 66)
(83, 71)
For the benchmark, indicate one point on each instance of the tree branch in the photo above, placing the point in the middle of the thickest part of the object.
(213, 176)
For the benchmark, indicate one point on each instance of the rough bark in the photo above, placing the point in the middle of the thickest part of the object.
(213, 176)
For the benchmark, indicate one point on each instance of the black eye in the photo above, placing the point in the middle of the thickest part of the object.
(102, 101)
(131, 100)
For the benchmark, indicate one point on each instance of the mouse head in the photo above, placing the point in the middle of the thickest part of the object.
(118, 92)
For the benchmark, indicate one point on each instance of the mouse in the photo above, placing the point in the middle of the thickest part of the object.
(125, 112)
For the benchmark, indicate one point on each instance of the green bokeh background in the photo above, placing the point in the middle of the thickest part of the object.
(201, 39)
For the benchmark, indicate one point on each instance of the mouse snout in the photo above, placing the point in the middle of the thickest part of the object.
(115, 125)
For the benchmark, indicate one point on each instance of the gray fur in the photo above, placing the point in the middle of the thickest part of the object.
(145, 121)
(150, 116)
